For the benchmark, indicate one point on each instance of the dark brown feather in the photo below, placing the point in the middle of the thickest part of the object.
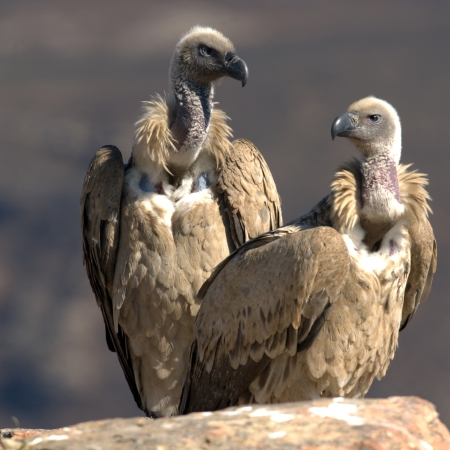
(248, 196)
(99, 210)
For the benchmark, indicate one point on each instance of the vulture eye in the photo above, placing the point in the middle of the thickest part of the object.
(375, 118)
(206, 51)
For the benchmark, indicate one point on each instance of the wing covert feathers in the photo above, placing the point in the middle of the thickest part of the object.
(99, 211)
(248, 196)
(238, 334)
(423, 267)
(423, 243)
(317, 217)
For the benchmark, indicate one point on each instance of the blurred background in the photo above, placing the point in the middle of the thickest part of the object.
(72, 78)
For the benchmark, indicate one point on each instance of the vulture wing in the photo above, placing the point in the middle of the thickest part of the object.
(248, 196)
(422, 241)
(423, 266)
(318, 216)
(99, 211)
(280, 307)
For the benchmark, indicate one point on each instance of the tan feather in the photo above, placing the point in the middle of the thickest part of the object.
(217, 143)
(153, 139)
(344, 200)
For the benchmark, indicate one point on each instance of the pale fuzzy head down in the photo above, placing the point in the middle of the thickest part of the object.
(200, 55)
(382, 135)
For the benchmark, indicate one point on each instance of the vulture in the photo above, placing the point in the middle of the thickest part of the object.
(154, 229)
(314, 308)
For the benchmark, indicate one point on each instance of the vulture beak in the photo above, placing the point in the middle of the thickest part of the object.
(343, 125)
(236, 67)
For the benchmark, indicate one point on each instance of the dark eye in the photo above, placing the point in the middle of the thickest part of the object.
(206, 51)
(374, 118)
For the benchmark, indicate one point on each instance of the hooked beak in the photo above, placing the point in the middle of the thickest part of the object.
(236, 67)
(343, 126)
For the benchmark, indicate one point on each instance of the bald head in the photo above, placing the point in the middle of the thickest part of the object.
(373, 126)
(204, 55)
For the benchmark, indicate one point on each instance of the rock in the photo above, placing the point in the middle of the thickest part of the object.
(396, 423)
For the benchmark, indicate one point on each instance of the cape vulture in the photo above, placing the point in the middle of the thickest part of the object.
(154, 230)
(313, 309)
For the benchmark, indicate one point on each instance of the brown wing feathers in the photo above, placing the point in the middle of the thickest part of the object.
(248, 196)
(99, 210)
(281, 310)
(423, 243)
(423, 266)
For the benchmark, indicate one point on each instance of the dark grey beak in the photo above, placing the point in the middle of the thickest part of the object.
(343, 125)
(236, 67)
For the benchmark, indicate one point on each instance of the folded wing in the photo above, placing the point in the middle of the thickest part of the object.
(248, 195)
(99, 211)
(276, 300)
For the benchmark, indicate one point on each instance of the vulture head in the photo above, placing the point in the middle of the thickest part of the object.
(205, 55)
(373, 126)
(201, 58)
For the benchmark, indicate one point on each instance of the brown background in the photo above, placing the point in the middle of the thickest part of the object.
(72, 76)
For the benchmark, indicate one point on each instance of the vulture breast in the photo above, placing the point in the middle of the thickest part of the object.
(174, 238)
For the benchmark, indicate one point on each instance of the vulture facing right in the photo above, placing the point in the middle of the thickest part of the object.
(154, 230)
(313, 309)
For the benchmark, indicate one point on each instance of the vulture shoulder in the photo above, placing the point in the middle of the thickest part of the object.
(248, 319)
(318, 216)
(248, 196)
(99, 212)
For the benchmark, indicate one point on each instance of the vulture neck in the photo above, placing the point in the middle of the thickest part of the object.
(380, 197)
(193, 109)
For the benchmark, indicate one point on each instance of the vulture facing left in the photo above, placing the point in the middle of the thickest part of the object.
(154, 230)
(313, 309)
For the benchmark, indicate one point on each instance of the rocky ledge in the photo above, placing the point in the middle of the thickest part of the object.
(396, 423)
